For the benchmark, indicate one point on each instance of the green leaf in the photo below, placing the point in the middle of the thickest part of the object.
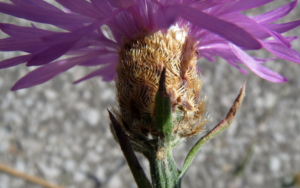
(134, 165)
(224, 124)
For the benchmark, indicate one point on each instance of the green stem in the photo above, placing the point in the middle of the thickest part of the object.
(164, 172)
(163, 169)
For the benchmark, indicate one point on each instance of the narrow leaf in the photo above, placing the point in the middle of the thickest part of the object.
(224, 124)
(134, 165)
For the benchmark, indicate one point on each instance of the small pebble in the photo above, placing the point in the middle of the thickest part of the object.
(274, 164)
(92, 116)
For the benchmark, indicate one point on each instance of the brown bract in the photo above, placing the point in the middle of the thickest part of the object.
(141, 61)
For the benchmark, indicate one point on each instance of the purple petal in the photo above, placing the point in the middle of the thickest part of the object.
(30, 45)
(279, 38)
(248, 24)
(138, 15)
(107, 73)
(14, 61)
(99, 41)
(23, 32)
(50, 54)
(104, 59)
(226, 54)
(151, 15)
(261, 60)
(202, 5)
(275, 14)
(69, 36)
(101, 50)
(49, 71)
(213, 44)
(66, 42)
(256, 67)
(225, 29)
(239, 6)
(43, 74)
(157, 3)
(254, 28)
(42, 15)
(166, 16)
(122, 4)
(220, 49)
(126, 25)
(282, 51)
(141, 9)
(21, 2)
(103, 6)
(232, 63)
(207, 56)
(81, 32)
(281, 28)
(37, 3)
(81, 7)
(292, 38)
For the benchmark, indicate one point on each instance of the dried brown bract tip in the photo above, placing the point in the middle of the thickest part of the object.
(141, 62)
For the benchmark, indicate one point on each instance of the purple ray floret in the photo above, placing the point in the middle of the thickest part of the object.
(94, 31)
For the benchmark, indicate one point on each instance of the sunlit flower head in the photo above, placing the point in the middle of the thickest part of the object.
(96, 31)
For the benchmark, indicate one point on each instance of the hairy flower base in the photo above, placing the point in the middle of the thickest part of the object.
(141, 61)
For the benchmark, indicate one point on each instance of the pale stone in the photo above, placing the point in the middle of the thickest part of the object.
(92, 116)
(274, 164)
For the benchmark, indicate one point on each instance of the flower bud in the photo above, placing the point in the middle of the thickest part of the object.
(141, 62)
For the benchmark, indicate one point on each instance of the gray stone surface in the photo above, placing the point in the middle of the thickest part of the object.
(59, 131)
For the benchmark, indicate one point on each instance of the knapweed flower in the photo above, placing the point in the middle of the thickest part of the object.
(141, 63)
(133, 42)
(96, 31)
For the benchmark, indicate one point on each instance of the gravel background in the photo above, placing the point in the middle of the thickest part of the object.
(59, 131)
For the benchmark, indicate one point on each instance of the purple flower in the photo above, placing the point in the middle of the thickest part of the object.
(95, 31)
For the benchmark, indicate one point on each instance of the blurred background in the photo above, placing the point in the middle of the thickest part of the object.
(60, 132)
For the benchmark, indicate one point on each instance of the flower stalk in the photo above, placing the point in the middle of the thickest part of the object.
(164, 171)
(158, 151)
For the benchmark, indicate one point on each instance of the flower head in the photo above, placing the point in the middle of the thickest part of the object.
(141, 63)
(96, 32)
